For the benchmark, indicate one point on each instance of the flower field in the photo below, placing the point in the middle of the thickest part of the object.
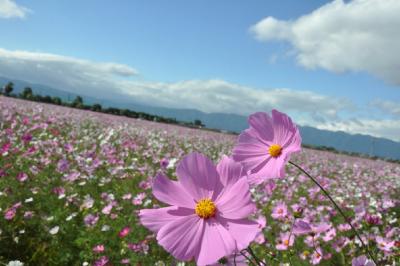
(72, 184)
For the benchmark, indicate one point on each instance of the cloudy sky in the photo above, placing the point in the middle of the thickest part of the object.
(330, 64)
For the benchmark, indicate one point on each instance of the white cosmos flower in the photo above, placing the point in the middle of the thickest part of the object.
(15, 263)
(29, 200)
(54, 230)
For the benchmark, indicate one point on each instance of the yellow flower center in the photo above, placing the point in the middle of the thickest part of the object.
(205, 208)
(275, 150)
(286, 242)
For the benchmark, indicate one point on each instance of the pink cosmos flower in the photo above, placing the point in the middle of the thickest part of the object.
(134, 247)
(138, 200)
(107, 209)
(125, 261)
(265, 147)
(102, 261)
(98, 249)
(384, 244)
(62, 165)
(21, 177)
(59, 191)
(316, 256)
(208, 216)
(124, 232)
(5, 148)
(91, 220)
(301, 227)
(280, 211)
(9, 214)
(286, 240)
(329, 235)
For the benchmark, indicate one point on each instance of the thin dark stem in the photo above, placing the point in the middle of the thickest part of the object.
(337, 208)
(255, 257)
(314, 246)
(244, 255)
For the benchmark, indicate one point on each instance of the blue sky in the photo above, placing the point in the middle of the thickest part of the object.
(332, 65)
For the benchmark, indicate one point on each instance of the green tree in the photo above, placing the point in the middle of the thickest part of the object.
(97, 107)
(78, 102)
(27, 93)
(47, 99)
(8, 88)
(57, 100)
(198, 123)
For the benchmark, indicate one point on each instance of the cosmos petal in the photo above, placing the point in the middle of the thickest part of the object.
(171, 192)
(198, 176)
(182, 237)
(154, 219)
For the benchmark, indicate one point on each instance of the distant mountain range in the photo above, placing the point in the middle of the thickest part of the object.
(338, 140)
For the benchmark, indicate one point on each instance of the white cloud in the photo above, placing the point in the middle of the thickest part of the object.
(10, 9)
(64, 72)
(387, 128)
(104, 80)
(224, 97)
(360, 35)
(389, 107)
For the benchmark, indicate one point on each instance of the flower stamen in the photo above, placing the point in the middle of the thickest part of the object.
(205, 208)
(275, 150)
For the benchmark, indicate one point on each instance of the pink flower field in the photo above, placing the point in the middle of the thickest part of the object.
(85, 188)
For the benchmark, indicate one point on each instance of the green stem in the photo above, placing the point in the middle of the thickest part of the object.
(290, 248)
(338, 209)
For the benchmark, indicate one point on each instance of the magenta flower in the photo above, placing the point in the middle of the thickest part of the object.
(124, 232)
(9, 214)
(62, 165)
(208, 218)
(265, 147)
(90, 220)
(21, 177)
(26, 138)
(372, 219)
(102, 261)
(98, 249)
(5, 148)
(164, 163)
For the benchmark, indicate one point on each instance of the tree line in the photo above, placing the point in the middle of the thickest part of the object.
(78, 102)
